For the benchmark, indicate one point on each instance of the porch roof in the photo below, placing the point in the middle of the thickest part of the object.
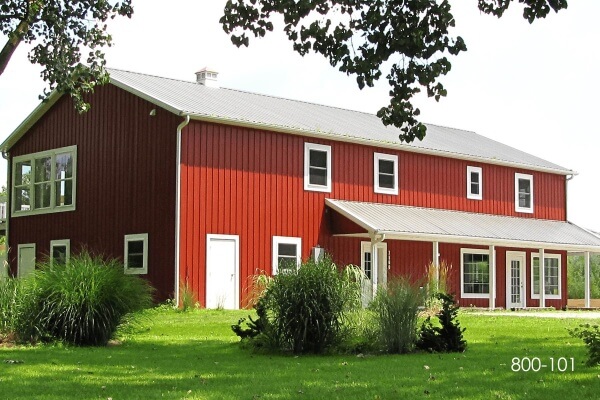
(434, 225)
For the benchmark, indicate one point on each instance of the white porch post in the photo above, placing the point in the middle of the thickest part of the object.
(492, 287)
(436, 262)
(374, 265)
(542, 280)
(587, 279)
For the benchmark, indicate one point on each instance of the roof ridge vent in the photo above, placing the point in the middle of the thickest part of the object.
(207, 77)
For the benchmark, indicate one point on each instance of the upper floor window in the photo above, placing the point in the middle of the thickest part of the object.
(524, 193)
(474, 183)
(317, 167)
(385, 173)
(286, 253)
(44, 182)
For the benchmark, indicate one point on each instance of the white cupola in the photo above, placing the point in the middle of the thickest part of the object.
(207, 77)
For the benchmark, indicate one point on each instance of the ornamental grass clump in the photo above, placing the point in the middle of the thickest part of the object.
(84, 301)
(396, 309)
(17, 299)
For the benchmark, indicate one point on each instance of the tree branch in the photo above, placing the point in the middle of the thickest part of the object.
(14, 39)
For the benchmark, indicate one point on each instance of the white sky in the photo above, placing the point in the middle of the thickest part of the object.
(533, 87)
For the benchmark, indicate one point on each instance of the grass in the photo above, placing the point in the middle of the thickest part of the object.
(196, 356)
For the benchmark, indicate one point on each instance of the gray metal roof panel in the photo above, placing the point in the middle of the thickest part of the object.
(337, 123)
(407, 220)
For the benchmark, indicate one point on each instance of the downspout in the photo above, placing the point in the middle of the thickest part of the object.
(6, 156)
(569, 177)
(180, 127)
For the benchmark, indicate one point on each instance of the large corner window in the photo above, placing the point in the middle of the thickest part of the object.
(551, 276)
(474, 183)
(317, 167)
(286, 254)
(475, 273)
(385, 173)
(524, 193)
(136, 254)
(44, 182)
(60, 251)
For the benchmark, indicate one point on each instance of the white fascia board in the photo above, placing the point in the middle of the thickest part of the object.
(373, 143)
(145, 96)
(352, 217)
(31, 119)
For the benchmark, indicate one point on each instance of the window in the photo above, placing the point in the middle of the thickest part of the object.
(317, 167)
(60, 251)
(474, 183)
(524, 193)
(136, 254)
(475, 273)
(286, 253)
(551, 276)
(44, 182)
(386, 173)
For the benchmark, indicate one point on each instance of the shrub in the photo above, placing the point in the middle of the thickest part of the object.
(303, 310)
(576, 277)
(448, 337)
(396, 311)
(17, 302)
(84, 301)
(590, 334)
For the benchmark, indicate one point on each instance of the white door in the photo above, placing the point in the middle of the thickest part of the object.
(515, 279)
(222, 271)
(366, 265)
(26, 262)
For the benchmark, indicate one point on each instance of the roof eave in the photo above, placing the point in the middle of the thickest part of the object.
(31, 119)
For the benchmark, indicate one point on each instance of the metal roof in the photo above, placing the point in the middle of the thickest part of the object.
(238, 107)
(427, 224)
(245, 108)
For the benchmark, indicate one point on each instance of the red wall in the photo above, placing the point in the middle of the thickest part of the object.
(249, 182)
(125, 180)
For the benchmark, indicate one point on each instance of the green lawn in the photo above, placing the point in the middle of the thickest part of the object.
(195, 356)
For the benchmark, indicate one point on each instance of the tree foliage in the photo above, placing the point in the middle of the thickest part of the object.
(359, 36)
(60, 31)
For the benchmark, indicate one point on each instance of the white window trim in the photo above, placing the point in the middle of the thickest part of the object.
(548, 296)
(530, 179)
(31, 157)
(307, 185)
(131, 238)
(386, 157)
(462, 275)
(471, 195)
(61, 242)
(287, 240)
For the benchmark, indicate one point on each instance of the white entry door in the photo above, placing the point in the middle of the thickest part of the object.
(26, 262)
(515, 279)
(366, 265)
(222, 271)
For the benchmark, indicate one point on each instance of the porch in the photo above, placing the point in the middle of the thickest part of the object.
(509, 250)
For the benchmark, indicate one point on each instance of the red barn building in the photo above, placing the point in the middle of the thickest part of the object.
(192, 183)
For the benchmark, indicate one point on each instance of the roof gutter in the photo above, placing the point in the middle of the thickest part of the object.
(180, 127)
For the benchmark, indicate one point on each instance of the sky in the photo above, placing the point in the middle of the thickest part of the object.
(530, 86)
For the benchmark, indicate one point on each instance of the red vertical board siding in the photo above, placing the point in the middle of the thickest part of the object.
(250, 183)
(126, 172)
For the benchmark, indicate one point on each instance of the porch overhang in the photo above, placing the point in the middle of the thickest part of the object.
(446, 226)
